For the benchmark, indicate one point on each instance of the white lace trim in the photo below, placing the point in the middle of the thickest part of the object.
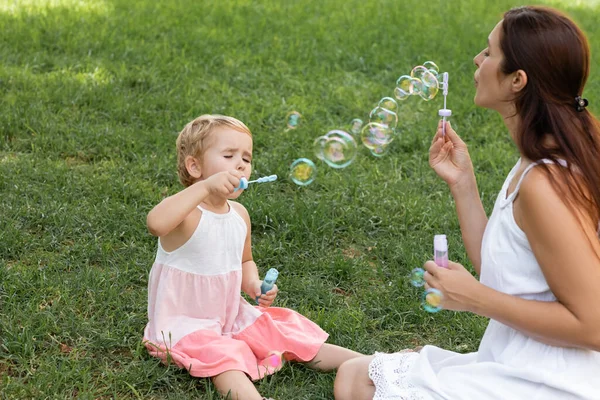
(389, 373)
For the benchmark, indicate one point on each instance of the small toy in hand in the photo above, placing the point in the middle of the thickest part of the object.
(268, 282)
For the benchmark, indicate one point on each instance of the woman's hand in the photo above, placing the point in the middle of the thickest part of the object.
(449, 156)
(459, 288)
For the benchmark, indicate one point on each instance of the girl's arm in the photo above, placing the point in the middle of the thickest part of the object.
(567, 248)
(250, 278)
(172, 211)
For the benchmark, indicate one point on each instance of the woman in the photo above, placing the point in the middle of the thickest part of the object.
(538, 256)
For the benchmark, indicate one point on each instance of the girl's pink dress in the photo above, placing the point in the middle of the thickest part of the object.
(198, 318)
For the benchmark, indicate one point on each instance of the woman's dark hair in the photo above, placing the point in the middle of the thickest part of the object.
(555, 55)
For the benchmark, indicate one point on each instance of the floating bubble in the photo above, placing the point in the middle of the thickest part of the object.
(429, 79)
(389, 104)
(418, 71)
(431, 66)
(375, 135)
(303, 171)
(432, 300)
(417, 277)
(339, 149)
(383, 116)
(417, 85)
(355, 126)
(293, 119)
(430, 87)
(380, 151)
(318, 146)
(403, 87)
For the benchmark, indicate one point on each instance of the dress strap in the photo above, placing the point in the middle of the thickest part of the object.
(512, 196)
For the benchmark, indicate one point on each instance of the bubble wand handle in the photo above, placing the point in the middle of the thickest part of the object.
(440, 250)
(444, 112)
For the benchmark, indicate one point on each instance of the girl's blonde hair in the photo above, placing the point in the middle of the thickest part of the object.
(192, 140)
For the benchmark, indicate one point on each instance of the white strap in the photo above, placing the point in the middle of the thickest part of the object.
(512, 196)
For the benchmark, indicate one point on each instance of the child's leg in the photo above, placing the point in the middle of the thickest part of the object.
(331, 357)
(352, 381)
(236, 383)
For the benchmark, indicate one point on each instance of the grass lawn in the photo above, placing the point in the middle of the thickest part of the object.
(93, 93)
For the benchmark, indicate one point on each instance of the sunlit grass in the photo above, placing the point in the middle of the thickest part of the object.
(43, 7)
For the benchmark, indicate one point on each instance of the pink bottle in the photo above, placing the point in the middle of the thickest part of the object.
(440, 250)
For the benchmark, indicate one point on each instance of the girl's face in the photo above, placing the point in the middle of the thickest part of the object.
(228, 149)
(493, 88)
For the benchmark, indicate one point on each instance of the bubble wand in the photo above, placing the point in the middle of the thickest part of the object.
(244, 181)
(444, 112)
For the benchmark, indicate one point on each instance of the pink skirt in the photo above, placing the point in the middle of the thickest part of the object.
(206, 353)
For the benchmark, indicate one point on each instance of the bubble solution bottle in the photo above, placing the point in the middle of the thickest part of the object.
(440, 250)
(269, 281)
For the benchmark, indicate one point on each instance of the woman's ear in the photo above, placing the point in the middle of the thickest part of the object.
(519, 81)
(192, 164)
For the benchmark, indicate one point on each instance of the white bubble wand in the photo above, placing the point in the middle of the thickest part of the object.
(444, 112)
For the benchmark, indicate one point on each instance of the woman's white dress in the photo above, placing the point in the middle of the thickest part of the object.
(509, 365)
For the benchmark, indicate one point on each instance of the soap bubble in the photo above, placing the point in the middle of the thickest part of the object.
(303, 171)
(403, 87)
(339, 149)
(355, 126)
(430, 86)
(376, 135)
(432, 300)
(293, 119)
(383, 116)
(318, 146)
(429, 79)
(432, 67)
(417, 85)
(380, 151)
(418, 71)
(417, 277)
(389, 104)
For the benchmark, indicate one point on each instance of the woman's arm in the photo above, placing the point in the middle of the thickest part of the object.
(567, 248)
(471, 217)
(449, 158)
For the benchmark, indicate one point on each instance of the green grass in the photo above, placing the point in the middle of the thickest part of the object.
(92, 96)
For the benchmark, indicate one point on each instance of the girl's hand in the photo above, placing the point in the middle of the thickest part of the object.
(449, 156)
(268, 298)
(456, 283)
(223, 183)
